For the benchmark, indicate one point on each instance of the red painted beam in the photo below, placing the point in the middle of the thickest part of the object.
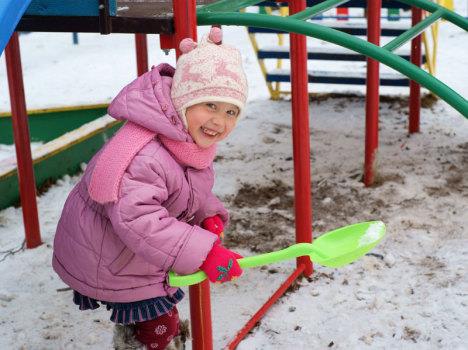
(185, 24)
(185, 21)
(200, 316)
(26, 179)
(301, 138)
(415, 88)
(372, 93)
(262, 311)
(141, 48)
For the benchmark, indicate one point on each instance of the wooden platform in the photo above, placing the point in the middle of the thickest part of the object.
(146, 16)
(149, 8)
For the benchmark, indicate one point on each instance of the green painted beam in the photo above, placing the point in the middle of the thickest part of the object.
(317, 9)
(47, 125)
(403, 38)
(450, 16)
(345, 40)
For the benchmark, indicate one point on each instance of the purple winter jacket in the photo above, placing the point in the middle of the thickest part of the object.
(121, 251)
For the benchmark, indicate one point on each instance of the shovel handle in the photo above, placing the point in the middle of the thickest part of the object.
(294, 251)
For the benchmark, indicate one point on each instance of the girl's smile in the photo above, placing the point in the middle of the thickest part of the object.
(210, 132)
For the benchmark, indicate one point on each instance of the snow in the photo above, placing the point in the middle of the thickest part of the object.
(9, 152)
(372, 234)
(410, 293)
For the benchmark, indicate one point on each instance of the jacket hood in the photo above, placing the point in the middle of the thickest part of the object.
(146, 101)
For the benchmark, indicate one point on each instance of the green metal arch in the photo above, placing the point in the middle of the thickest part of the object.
(292, 25)
(450, 16)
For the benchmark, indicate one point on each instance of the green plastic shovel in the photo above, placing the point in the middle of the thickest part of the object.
(332, 249)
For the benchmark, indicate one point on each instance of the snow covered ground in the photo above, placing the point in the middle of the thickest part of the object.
(410, 293)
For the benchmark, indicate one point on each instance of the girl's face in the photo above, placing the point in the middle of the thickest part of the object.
(210, 122)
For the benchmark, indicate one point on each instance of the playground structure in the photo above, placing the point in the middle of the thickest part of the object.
(349, 18)
(183, 24)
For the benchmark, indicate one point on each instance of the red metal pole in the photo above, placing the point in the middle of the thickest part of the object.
(301, 143)
(200, 316)
(415, 88)
(185, 21)
(185, 24)
(262, 311)
(372, 92)
(141, 48)
(22, 143)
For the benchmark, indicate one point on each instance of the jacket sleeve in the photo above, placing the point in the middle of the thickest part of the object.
(211, 206)
(145, 227)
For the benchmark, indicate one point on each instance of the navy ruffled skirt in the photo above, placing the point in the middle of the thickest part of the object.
(137, 311)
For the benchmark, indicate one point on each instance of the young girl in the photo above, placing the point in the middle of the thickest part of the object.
(144, 205)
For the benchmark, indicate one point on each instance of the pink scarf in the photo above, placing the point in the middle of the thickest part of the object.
(189, 153)
(122, 148)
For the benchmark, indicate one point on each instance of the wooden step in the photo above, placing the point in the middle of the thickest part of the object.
(354, 27)
(348, 78)
(351, 3)
(323, 53)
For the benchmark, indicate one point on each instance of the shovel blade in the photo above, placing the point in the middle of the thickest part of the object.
(347, 244)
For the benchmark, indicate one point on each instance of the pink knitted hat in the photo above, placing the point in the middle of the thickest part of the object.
(208, 72)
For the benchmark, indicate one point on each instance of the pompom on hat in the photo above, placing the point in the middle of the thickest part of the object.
(208, 71)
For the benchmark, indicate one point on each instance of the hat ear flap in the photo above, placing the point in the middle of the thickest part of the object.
(187, 45)
(216, 35)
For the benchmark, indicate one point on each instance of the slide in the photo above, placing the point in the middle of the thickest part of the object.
(11, 12)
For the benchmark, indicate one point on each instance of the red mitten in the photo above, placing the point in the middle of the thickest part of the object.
(221, 264)
(214, 224)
